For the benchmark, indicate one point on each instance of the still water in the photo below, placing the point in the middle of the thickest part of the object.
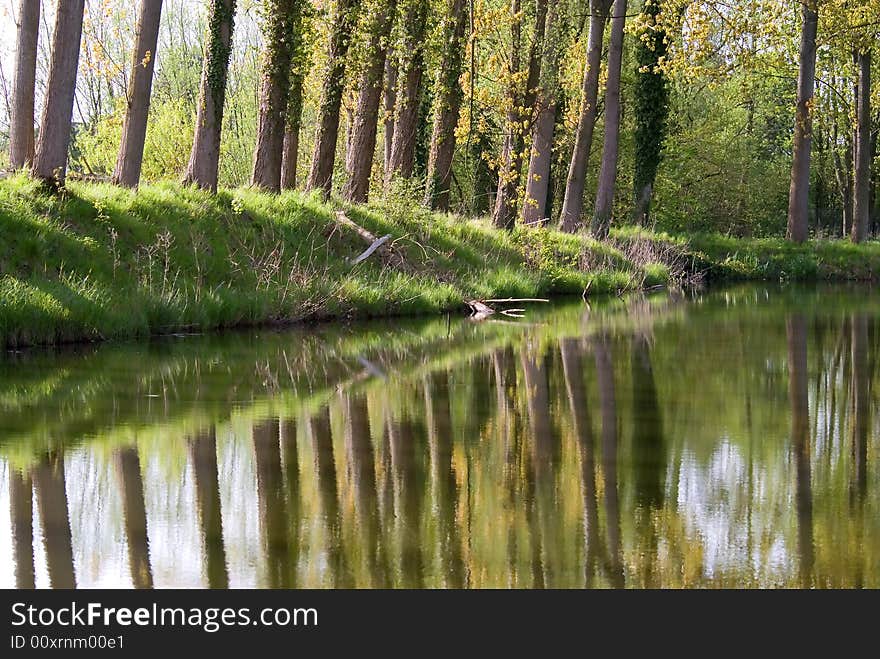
(726, 438)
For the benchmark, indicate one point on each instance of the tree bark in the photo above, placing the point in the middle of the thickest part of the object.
(538, 179)
(274, 92)
(799, 190)
(512, 151)
(608, 169)
(50, 158)
(324, 158)
(411, 62)
(362, 147)
(448, 106)
(204, 159)
(862, 181)
(572, 206)
(134, 127)
(21, 125)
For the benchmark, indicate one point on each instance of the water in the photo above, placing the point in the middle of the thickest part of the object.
(721, 439)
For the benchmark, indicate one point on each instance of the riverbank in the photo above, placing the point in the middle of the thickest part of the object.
(102, 262)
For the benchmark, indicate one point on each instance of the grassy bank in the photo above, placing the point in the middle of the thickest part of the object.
(102, 262)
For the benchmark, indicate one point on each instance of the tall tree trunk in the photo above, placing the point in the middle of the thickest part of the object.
(50, 158)
(274, 92)
(799, 190)
(203, 455)
(21, 125)
(521, 104)
(324, 157)
(270, 495)
(22, 516)
(134, 127)
(50, 486)
(410, 68)
(359, 160)
(651, 109)
(608, 169)
(299, 61)
(134, 511)
(572, 206)
(390, 100)
(446, 109)
(204, 159)
(796, 334)
(862, 182)
(538, 179)
(861, 383)
(290, 155)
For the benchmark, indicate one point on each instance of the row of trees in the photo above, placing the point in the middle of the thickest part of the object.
(520, 82)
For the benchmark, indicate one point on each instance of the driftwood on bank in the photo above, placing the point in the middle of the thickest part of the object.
(375, 244)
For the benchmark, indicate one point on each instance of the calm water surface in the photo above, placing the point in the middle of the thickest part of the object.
(728, 438)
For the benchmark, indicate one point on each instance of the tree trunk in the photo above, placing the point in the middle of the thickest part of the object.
(359, 160)
(608, 169)
(51, 490)
(862, 182)
(796, 333)
(270, 498)
(204, 159)
(538, 179)
(390, 95)
(299, 63)
(274, 92)
(134, 128)
(651, 96)
(861, 408)
(50, 158)
(409, 86)
(324, 157)
(134, 512)
(22, 517)
(203, 456)
(21, 125)
(572, 206)
(448, 105)
(522, 103)
(799, 190)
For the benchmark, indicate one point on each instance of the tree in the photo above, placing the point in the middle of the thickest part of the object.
(274, 91)
(863, 154)
(520, 106)
(50, 158)
(324, 157)
(651, 95)
(410, 68)
(21, 125)
(799, 190)
(538, 179)
(134, 128)
(299, 60)
(608, 169)
(446, 110)
(572, 205)
(359, 159)
(204, 159)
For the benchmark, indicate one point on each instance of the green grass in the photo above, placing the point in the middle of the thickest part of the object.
(100, 262)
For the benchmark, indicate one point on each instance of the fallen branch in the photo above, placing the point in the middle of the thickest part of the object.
(520, 299)
(372, 248)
